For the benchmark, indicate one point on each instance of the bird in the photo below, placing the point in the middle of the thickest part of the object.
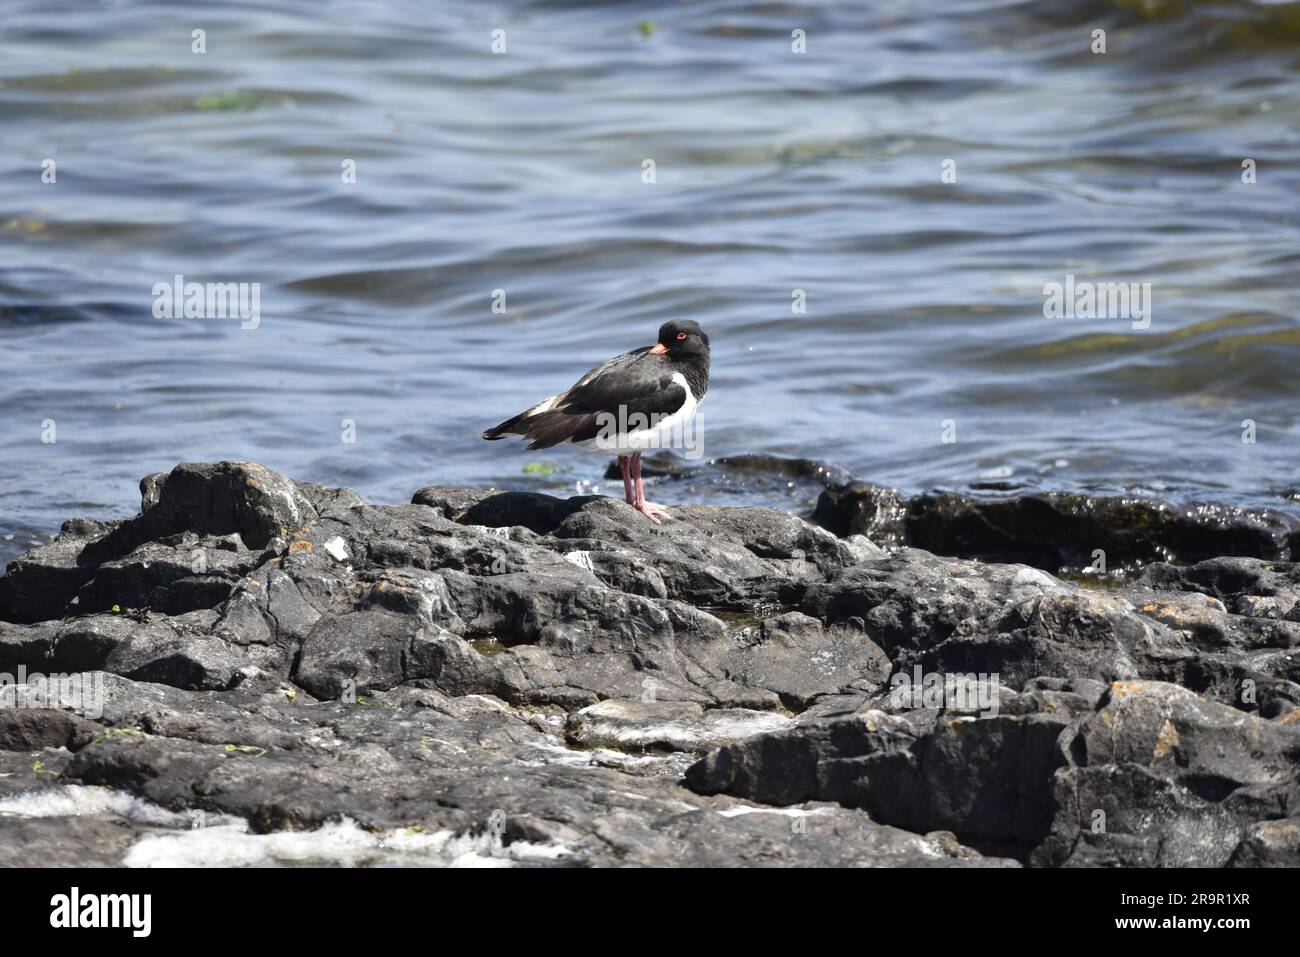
(638, 400)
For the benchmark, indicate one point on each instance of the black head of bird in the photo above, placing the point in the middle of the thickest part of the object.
(682, 339)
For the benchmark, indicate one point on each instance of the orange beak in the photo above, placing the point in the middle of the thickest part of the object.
(658, 349)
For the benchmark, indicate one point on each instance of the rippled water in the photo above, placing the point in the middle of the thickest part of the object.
(523, 172)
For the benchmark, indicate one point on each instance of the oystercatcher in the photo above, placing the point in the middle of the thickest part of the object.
(639, 400)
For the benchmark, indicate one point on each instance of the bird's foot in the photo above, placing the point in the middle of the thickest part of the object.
(652, 511)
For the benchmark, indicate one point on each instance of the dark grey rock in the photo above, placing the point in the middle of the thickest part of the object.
(520, 676)
(64, 841)
(360, 652)
(1159, 776)
(34, 729)
(1053, 530)
(38, 586)
(987, 780)
(1269, 844)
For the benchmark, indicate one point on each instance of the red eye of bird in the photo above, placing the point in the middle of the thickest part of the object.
(681, 335)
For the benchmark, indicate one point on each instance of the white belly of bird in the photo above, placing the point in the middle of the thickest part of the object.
(666, 432)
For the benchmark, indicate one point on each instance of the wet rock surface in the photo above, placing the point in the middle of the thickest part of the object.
(506, 677)
(1058, 530)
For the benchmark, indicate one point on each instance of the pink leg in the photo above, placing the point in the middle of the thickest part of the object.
(625, 466)
(648, 509)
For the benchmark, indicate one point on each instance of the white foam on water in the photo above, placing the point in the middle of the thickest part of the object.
(226, 841)
(77, 800)
(337, 844)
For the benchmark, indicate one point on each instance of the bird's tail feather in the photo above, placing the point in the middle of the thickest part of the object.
(504, 429)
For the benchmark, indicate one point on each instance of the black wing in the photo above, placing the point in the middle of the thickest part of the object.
(634, 383)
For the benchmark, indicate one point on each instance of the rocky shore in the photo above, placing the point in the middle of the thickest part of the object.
(258, 670)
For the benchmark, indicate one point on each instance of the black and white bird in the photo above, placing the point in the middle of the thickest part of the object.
(643, 399)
